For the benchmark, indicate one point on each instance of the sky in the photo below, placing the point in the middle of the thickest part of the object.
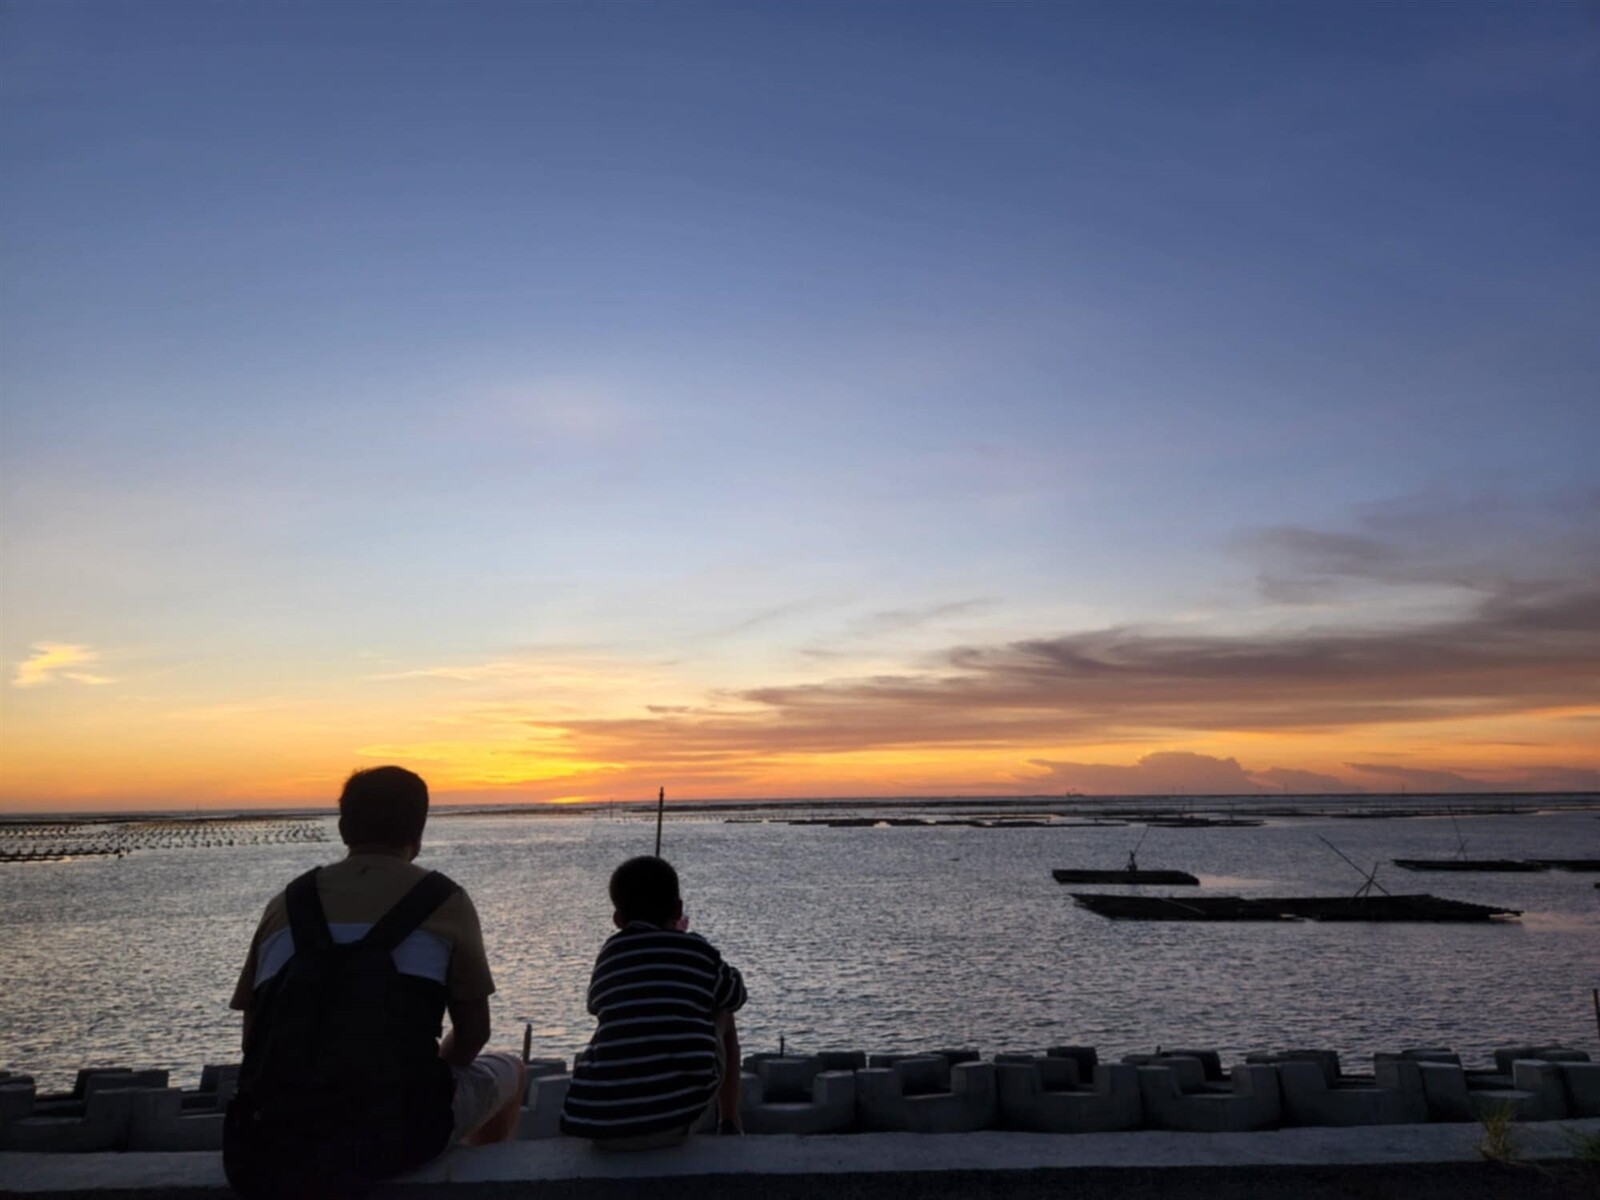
(764, 400)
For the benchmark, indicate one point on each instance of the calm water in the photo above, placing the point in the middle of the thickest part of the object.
(873, 938)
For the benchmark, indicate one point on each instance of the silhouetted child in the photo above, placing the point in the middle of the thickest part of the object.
(666, 1046)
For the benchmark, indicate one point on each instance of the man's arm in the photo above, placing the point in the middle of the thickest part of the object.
(244, 1038)
(468, 1034)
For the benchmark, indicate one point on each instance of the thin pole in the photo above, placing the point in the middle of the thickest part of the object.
(661, 811)
(1371, 880)
(1596, 994)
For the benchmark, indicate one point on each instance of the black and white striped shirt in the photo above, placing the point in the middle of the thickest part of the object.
(652, 1063)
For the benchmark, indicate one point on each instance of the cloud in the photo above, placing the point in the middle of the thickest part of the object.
(466, 673)
(1169, 772)
(1536, 779)
(769, 616)
(543, 670)
(51, 661)
(1478, 542)
(898, 619)
(1512, 652)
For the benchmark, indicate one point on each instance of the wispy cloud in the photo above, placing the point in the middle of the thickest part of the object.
(1477, 542)
(899, 619)
(51, 661)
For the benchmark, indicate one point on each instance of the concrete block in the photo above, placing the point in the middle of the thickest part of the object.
(1210, 1062)
(828, 1060)
(1537, 1092)
(1310, 1099)
(541, 1110)
(1581, 1080)
(1444, 1087)
(1055, 1074)
(787, 1079)
(16, 1100)
(1438, 1054)
(1087, 1058)
(1191, 1072)
(950, 1057)
(1045, 1095)
(1546, 1094)
(220, 1082)
(841, 1060)
(159, 1122)
(1327, 1061)
(796, 1095)
(892, 1098)
(1504, 1056)
(92, 1078)
(1253, 1102)
(102, 1124)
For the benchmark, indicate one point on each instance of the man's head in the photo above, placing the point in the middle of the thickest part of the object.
(645, 889)
(384, 807)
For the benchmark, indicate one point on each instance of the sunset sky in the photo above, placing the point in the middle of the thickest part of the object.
(797, 399)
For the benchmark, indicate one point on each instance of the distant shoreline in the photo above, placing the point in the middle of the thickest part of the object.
(1308, 805)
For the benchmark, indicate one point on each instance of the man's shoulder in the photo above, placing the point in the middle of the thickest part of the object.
(353, 868)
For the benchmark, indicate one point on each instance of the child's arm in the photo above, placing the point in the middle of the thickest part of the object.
(728, 1088)
(729, 996)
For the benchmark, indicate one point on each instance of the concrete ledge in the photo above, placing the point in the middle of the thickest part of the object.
(1219, 1164)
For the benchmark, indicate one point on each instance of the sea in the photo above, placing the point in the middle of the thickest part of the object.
(879, 938)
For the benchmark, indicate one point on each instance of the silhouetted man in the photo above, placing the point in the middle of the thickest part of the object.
(350, 973)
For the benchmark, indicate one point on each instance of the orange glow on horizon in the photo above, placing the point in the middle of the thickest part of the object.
(476, 740)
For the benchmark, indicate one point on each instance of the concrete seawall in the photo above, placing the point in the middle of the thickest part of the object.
(1419, 1162)
(1060, 1090)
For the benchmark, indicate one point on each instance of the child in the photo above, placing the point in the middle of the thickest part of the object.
(666, 1044)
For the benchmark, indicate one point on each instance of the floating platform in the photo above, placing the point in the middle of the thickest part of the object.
(58, 855)
(1289, 908)
(1472, 864)
(1069, 875)
(1204, 822)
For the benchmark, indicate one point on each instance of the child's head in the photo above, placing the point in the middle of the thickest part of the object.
(645, 889)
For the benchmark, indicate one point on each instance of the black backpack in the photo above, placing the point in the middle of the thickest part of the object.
(342, 1084)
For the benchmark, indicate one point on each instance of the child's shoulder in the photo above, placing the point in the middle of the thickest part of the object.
(642, 938)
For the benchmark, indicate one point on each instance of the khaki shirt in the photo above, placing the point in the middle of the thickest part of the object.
(357, 891)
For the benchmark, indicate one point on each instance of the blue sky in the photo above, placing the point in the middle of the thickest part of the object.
(771, 344)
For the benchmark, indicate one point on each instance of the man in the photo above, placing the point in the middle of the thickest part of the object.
(344, 1079)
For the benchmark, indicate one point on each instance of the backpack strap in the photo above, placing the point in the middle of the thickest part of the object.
(415, 907)
(308, 925)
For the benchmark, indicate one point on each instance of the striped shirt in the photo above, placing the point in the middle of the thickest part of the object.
(652, 1065)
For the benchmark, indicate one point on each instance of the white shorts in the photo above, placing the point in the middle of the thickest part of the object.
(482, 1090)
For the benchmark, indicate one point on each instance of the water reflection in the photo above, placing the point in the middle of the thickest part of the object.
(882, 938)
